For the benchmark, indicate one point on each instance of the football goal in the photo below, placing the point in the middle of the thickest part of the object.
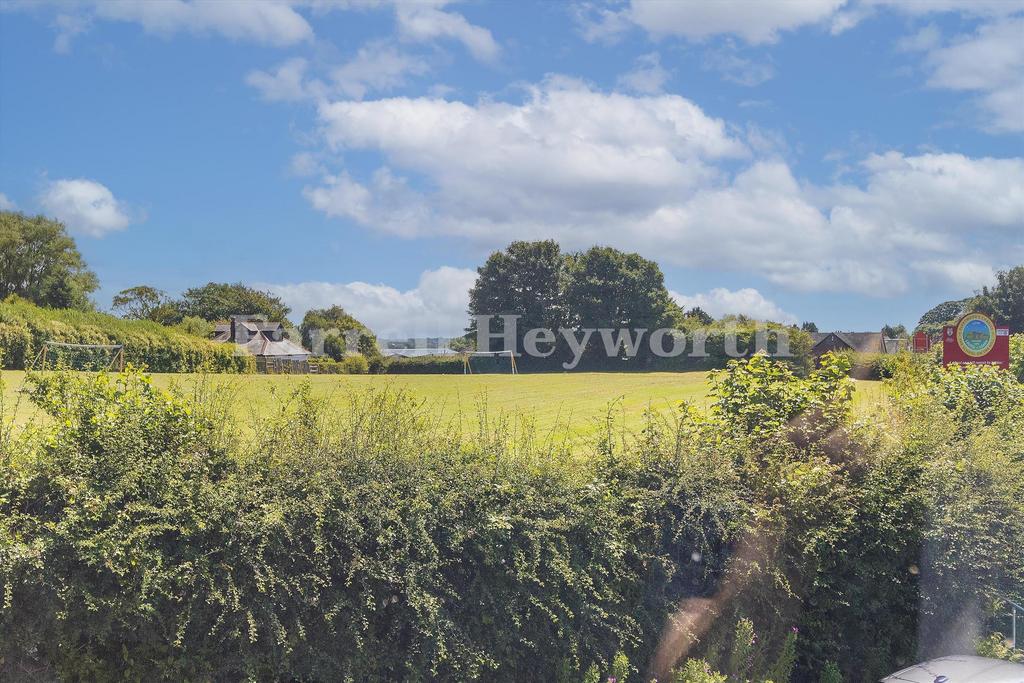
(89, 357)
(467, 365)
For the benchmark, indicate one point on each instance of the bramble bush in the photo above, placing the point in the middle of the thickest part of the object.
(143, 535)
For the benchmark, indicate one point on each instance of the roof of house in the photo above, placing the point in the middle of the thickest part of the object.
(261, 345)
(251, 325)
(861, 342)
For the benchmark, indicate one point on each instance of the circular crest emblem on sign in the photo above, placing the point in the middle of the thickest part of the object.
(976, 334)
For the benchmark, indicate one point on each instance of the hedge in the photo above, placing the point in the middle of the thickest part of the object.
(24, 327)
(142, 538)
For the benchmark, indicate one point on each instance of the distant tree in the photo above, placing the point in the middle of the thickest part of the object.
(40, 262)
(894, 331)
(944, 313)
(138, 303)
(333, 323)
(1004, 301)
(809, 327)
(525, 279)
(608, 288)
(218, 301)
(699, 315)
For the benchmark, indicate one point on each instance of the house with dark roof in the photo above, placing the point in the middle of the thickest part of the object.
(858, 342)
(259, 338)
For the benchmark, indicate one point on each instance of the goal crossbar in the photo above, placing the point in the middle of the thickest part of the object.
(105, 347)
(467, 368)
(116, 359)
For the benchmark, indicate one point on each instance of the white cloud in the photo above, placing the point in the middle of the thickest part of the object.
(762, 21)
(377, 67)
(969, 7)
(991, 63)
(6, 204)
(424, 21)
(271, 22)
(435, 307)
(656, 175)
(85, 206)
(600, 24)
(647, 77)
(68, 26)
(747, 301)
(564, 148)
(755, 22)
(286, 83)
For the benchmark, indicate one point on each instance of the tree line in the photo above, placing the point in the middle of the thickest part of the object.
(600, 287)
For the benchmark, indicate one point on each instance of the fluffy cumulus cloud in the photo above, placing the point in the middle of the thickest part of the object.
(6, 204)
(747, 301)
(435, 307)
(85, 206)
(658, 175)
(989, 62)
(426, 21)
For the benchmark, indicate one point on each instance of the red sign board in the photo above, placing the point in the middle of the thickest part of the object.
(975, 340)
(922, 343)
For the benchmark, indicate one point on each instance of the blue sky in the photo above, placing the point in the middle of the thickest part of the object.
(847, 162)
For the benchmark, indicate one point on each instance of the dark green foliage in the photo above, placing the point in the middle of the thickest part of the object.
(40, 262)
(831, 674)
(24, 328)
(140, 303)
(1005, 301)
(809, 326)
(143, 538)
(699, 316)
(525, 279)
(331, 324)
(217, 302)
(425, 365)
(611, 289)
(897, 331)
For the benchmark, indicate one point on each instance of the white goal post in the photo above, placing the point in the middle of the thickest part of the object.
(116, 352)
(467, 368)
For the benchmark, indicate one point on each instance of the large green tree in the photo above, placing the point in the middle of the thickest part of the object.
(1004, 301)
(525, 279)
(40, 262)
(608, 288)
(219, 301)
(138, 303)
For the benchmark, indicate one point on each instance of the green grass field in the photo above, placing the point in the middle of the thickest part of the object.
(575, 404)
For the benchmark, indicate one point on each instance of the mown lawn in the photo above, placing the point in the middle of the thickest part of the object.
(575, 404)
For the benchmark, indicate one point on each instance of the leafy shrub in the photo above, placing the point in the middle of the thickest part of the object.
(141, 537)
(355, 364)
(697, 671)
(424, 365)
(1017, 356)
